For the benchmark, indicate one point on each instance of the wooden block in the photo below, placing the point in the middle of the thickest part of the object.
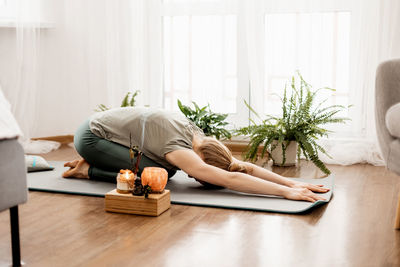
(154, 205)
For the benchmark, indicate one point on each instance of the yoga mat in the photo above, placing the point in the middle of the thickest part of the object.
(184, 191)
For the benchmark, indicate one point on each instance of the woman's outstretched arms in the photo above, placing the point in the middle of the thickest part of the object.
(276, 178)
(192, 164)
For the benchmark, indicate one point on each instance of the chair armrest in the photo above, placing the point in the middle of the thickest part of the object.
(13, 185)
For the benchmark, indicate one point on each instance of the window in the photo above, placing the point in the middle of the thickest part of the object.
(27, 12)
(200, 61)
(208, 54)
(7, 10)
(317, 44)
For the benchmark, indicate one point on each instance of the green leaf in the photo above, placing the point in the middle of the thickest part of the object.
(251, 109)
(125, 101)
(129, 99)
(211, 123)
(101, 108)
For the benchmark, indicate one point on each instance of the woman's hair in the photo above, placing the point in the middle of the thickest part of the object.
(217, 154)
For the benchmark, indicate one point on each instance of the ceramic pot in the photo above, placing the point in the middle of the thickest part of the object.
(291, 153)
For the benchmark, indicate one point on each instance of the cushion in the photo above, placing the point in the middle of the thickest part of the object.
(37, 163)
(393, 120)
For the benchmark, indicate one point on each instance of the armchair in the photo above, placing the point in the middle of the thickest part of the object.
(387, 110)
(13, 188)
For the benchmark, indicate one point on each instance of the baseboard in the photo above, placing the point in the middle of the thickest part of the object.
(63, 139)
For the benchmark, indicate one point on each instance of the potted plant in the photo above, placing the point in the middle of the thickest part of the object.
(297, 131)
(210, 122)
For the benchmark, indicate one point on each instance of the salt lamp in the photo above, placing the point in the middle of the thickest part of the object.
(155, 177)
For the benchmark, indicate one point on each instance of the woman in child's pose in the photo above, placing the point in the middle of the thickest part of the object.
(169, 140)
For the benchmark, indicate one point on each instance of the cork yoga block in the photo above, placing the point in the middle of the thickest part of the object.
(154, 205)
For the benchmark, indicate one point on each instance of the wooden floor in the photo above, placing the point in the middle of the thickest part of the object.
(354, 229)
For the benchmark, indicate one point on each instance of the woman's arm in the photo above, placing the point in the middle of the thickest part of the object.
(192, 164)
(265, 174)
(276, 178)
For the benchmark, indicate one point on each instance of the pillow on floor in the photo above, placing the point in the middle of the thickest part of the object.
(37, 163)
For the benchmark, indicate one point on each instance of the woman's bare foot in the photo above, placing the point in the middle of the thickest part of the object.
(71, 164)
(80, 170)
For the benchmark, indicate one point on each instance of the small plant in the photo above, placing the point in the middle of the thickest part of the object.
(147, 190)
(210, 122)
(128, 101)
(301, 121)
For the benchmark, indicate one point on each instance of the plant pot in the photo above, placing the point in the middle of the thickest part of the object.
(291, 154)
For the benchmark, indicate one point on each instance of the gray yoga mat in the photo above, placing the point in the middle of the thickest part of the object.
(184, 191)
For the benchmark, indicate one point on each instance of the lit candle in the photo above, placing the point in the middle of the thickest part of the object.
(125, 181)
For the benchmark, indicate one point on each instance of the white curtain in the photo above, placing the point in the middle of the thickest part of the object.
(71, 55)
(378, 25)
(105, 52)
(22, 87)
(64, 57)
(374, 37)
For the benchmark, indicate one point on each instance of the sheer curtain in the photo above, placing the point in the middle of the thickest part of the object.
(377, 40)
(72, 55)
(105, 53)
(376, 29)
(64, 57)
(26, 17)
(373, 37)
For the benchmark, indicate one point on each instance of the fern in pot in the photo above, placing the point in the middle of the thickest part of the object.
(297, 131)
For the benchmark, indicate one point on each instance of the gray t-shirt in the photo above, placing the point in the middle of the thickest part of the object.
(155, 131)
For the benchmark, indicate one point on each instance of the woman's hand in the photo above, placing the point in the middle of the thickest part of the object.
(315, 188)
(302, 194)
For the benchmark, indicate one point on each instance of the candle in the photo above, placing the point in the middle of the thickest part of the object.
(125, 181)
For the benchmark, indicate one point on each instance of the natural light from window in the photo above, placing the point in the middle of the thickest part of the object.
(200, 61)
(206, 56)
(7, 10)
(317, 44)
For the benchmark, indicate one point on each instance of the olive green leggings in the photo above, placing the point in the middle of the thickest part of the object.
(106, 158)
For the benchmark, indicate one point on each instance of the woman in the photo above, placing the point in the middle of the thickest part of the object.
(169, 140)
